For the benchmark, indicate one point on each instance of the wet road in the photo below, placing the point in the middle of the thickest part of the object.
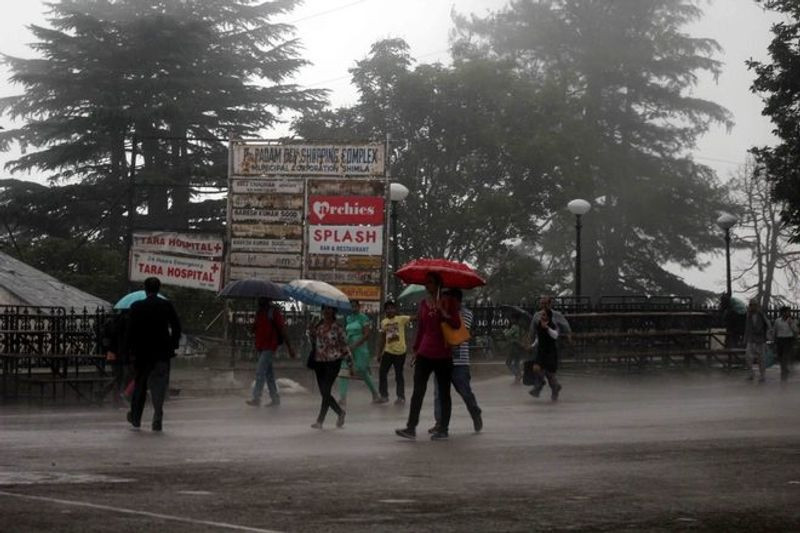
(696, 452)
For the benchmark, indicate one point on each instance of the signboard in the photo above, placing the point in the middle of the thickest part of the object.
(255, 159)
(280, 246)
(344, 262)
(198, 245)
(345, 240)
(267, 186)
(335, 277)
(290, 216)
(267, 260)
(268, 201)
(349, 210)
(264, 230)
(278, 275)
(346, 188)
(361, 292)
(188, 272)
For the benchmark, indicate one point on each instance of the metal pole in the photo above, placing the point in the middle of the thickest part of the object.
(395, 252)
(728, 261)
(577, 255)
(131, 206)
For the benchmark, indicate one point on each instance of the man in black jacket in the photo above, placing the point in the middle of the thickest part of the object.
(153, 335)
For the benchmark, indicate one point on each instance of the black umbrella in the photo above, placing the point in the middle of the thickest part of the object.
(253, 288)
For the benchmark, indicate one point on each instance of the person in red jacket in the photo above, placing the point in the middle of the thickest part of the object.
(432, 355)
(269, 329)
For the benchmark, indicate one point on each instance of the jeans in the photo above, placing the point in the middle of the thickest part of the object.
(756, 350)
(265, 372)
(783, 347)
(424, 367)
(461, 382)
(326, 372)
(392, 361)
(153, 374)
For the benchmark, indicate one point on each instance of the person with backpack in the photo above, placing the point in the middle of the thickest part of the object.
(269, 330)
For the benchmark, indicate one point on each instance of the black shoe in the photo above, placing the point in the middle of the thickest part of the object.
(406, 433)
(340, 420)
(477, 422)
(554, 394)
(129, 417)
(440, 435)
(156, 426)
(254, 402)
(274, 403)
(536, 391)
(434, 429)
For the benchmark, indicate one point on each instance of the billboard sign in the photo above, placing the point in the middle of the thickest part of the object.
(190, 272)
(257, 159)
(347, 210)
(345, 240)
(168, 242)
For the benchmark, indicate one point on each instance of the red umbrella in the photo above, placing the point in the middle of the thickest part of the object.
(454, 275)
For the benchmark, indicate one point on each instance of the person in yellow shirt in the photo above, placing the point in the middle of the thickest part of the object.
(392, 352)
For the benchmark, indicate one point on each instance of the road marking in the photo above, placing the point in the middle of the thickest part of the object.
(122, 510)
(40, 478)
(195, 492)
(396, 501)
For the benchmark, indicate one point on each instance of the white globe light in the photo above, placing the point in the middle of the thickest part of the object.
(726, 221)
(579, 207)
(397, 192)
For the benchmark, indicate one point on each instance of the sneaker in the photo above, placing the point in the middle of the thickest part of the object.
(317, 425)
(477, 422)
(440, 435)
(253, 402)
(434, 429)
(406, 433)
(340, 420)
(156, 426)
(536, 391)
(129, 417)
(554, 394)
(274, 403)
(400, 401)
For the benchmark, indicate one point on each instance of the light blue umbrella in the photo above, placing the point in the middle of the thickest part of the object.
(314, 292)
(126, 301)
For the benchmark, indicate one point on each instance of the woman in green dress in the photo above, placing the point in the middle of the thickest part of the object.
(358, 330)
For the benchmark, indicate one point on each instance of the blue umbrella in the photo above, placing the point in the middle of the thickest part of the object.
(253, 288)
(314, 292)
(126, 301)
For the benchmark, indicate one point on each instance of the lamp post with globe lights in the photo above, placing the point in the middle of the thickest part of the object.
(397, 193)
(726, 221)
(578, 208)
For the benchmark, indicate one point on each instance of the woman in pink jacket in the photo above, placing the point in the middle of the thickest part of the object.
(432, 355)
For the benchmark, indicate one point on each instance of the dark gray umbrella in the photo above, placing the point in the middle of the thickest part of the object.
(253, 288)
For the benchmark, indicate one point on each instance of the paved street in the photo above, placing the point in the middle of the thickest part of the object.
(654, 453)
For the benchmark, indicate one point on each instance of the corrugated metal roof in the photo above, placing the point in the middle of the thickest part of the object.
(33, 287)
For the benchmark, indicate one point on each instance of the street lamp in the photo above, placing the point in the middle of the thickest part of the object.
(397, 193)
(726, 221)
(578, 208)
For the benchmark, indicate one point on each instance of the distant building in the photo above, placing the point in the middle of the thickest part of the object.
(21, 284)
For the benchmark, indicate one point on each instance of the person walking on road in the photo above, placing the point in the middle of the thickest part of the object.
(154, 333)
(330, 348)
(461, 374)
(358, 331)
(392, 352)
(785, 334)
(432, 356)
(546, 327)
(756, 331)
(269, 329)
(516, 336)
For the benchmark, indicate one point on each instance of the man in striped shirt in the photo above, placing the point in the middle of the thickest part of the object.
(461, 376)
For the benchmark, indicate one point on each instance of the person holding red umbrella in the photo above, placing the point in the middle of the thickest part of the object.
(432, 355)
